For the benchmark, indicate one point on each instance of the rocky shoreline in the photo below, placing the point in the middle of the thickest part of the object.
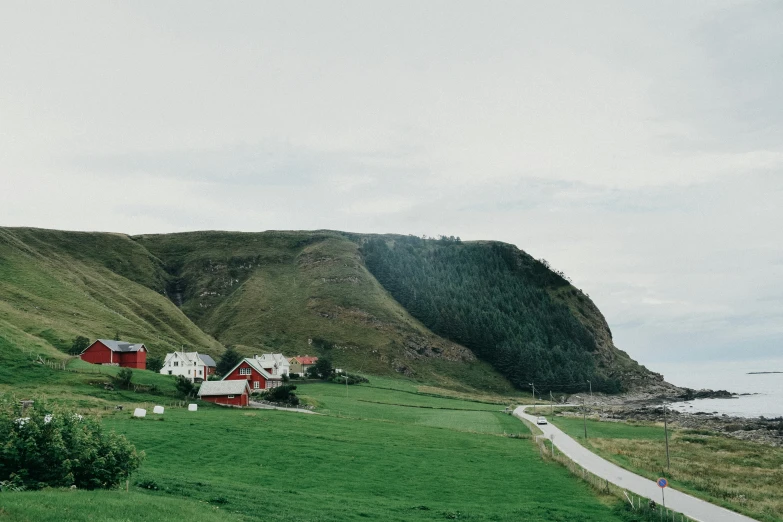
(648, 406)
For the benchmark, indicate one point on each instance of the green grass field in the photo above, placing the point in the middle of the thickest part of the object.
(574, 427)
(376, 454)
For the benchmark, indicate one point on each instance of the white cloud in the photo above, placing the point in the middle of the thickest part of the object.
(636, 146)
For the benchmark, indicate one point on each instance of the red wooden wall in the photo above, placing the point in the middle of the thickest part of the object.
(133, 359)
(254, 376)
(99, 353)
(238, 400)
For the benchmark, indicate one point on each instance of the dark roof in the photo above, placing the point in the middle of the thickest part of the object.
(121, 346)
(211, 388)
(209, 361)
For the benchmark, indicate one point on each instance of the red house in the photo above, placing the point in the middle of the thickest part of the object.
(116, 353)
(258, 378)
(229, 393)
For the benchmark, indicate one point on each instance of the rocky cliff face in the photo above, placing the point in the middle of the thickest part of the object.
(611, 360)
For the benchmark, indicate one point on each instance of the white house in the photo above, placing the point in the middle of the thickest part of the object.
(274, 363)
(193, 365)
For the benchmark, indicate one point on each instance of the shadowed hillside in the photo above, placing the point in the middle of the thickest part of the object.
(306, 292)
(510, 309)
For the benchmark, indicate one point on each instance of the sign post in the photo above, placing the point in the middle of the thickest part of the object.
(663, 484)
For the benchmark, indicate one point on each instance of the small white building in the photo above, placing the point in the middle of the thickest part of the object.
(193, 365)
(273, 363)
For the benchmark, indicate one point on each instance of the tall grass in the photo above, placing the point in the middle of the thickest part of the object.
(740, 475)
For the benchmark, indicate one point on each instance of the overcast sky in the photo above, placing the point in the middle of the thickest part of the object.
(637, 146)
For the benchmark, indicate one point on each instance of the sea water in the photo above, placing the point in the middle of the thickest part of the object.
(765, 390)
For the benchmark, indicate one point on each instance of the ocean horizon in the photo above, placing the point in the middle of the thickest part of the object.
(760, 394)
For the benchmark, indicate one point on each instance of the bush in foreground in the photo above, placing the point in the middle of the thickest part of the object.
(46, 446)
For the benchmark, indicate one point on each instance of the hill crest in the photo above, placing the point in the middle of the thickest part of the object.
(295, 292)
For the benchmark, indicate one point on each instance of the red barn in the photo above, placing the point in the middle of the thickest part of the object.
(116, 353)
(250, 370)
(230, 393)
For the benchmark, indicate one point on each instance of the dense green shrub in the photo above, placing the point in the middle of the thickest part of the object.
(185, 387)
(155, 363)
(351, 378)
(124, 378)
(322, 369)
(282, 394)
(79, 345)
(47, 446)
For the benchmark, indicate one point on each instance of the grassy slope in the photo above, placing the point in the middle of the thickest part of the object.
(58, 285)
(271, 291)
(278, 290)
(740, 475)
(106, 506)
(80, 385)
(448, 460)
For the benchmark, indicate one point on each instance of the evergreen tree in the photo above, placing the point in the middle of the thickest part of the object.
(494, 300)
(228, 360)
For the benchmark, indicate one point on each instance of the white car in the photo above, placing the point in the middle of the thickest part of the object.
(541, 420)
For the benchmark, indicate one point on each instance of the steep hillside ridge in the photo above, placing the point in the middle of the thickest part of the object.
(612, 361)
(56, 286)
(474, 315)
(510, 309)
(307, 292)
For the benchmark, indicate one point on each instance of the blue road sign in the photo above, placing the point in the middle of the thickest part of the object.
(662, 483)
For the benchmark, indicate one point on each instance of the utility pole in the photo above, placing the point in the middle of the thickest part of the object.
(584, 416)
(534, 396)
(551, 404)
(346, 385)
(666, 434)
(591, 391)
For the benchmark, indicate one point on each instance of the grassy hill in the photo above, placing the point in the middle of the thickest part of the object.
(58, 285)
(307, 293)
(478, 315)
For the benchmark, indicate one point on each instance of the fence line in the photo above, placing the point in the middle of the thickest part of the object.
(647, 507)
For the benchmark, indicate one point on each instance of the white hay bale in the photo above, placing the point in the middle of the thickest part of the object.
(192, 407)
(158, 410)
(139, 412)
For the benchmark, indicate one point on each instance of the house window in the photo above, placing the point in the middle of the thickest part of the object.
(188, 372)
(199, 372)
(176, 363)
(169, 372)
(255, 385)
(244, 371)
(230, 396)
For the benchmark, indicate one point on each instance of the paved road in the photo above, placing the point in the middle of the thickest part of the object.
(689, 506)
